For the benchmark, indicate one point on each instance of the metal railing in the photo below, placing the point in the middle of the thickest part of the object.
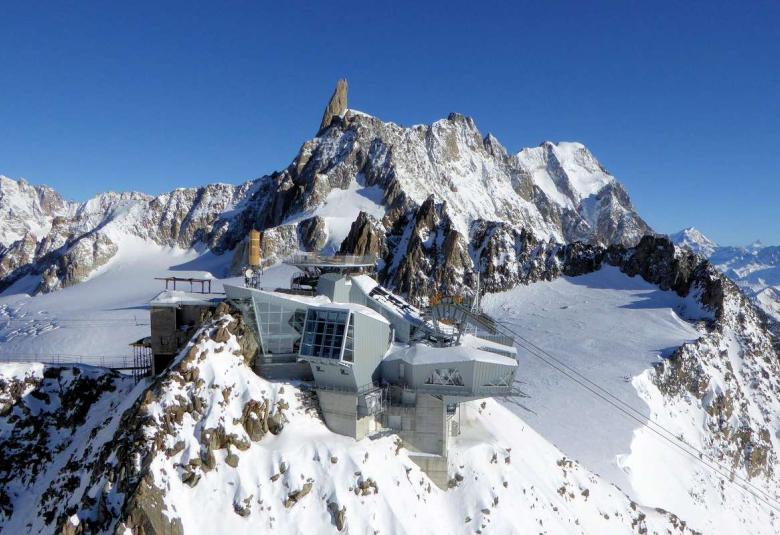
(501, 339)
(312, 259)
(114, 362)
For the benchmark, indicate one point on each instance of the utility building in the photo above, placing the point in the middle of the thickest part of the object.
(174, 317)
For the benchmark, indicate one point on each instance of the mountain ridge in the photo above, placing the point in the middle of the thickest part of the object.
(555, 191)
(755, 267)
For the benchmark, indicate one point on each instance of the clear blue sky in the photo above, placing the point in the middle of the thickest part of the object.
(679, 101)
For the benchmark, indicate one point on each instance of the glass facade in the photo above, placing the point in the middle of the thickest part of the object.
(280, 323)
(349, 343)
(325, 333)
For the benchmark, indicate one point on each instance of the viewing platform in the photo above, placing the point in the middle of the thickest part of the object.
(312, 260)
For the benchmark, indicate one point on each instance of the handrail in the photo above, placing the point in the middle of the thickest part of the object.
(102, 361)
(313, 259)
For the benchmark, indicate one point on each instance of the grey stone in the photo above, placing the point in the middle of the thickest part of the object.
(337, 104)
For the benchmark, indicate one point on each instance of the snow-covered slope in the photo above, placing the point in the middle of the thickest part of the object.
(612, 328)
(755, 268)
(95, 321)
(555, 191)
(213, 448)
(623, 334)
(356, 164)
(25, 208)
(61, 243)
(583, 321)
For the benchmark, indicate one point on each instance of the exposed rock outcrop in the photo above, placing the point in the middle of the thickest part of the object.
(554, 192)
(366, 237)
(313, 233)
(337, 104)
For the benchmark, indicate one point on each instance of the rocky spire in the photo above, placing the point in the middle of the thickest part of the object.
(337, 104)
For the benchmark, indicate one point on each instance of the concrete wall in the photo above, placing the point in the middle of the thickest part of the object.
(283, 371)
(341, 416)
(435, 467)
(191, 314)
(372, 340)
(423, 425)
(332, 372)
(163, 327)
(335, 286)
(339, 410)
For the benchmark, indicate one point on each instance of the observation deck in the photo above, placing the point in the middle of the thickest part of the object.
(305, 261)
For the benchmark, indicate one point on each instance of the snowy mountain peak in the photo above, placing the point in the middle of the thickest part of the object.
(567, 172)
(28, 209)
(554, 192)
(694, 240)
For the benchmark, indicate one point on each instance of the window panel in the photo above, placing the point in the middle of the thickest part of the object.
(324, 333)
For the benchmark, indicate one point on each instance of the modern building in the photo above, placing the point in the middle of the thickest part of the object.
(376, 361)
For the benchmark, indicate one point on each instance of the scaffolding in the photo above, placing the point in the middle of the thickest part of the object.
(142, 359)
(205, 284)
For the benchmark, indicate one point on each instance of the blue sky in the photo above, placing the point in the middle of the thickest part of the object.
(678, 100)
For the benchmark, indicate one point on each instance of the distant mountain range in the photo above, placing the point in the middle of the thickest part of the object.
(755, 267)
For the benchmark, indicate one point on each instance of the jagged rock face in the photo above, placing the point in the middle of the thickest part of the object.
(71, 263)
(366, 237)
(755, 268)
(557, 192)
(450, 160)
(313, 233)
(731, 373)
(27, 210)
(427, 254)
(113, 440)
(337, 104)
(20, 253)
(75, 239)
(43, 413)
(78, 261)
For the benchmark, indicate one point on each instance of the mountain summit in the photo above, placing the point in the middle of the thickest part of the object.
(359, 176)
(755, 267)
(694, 240)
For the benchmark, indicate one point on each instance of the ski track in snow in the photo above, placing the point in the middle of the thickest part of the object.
(610, 328)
